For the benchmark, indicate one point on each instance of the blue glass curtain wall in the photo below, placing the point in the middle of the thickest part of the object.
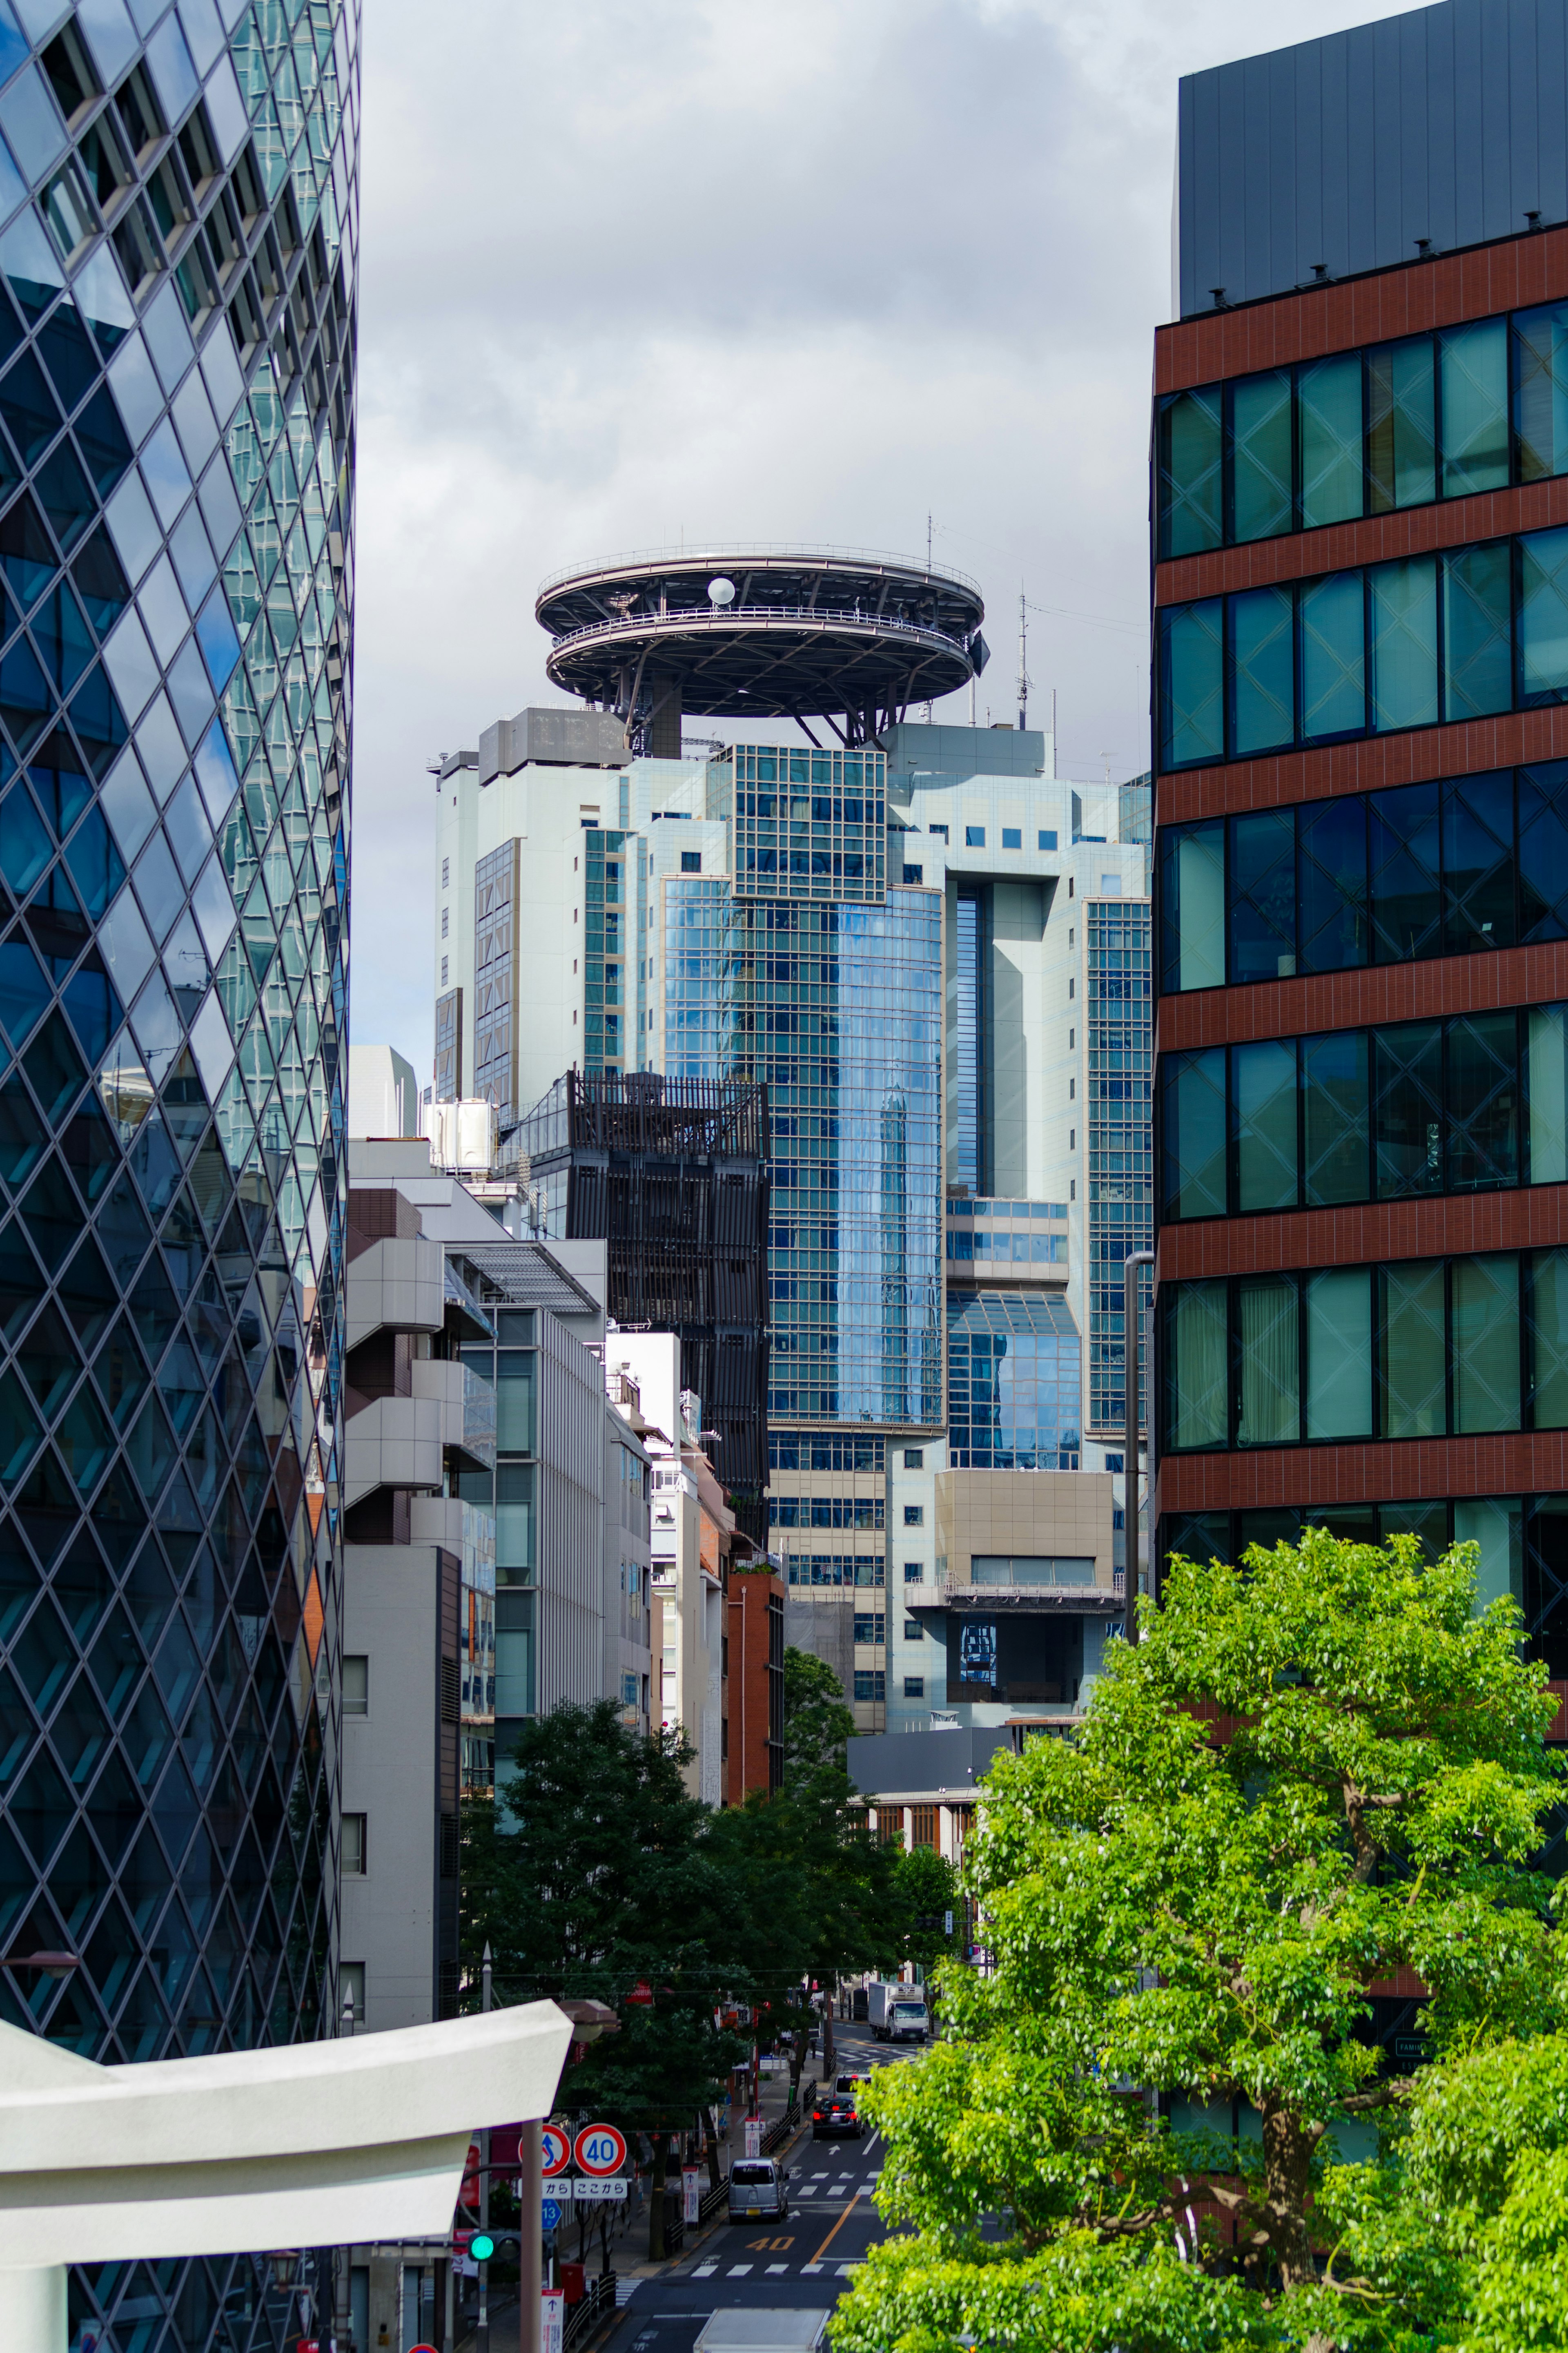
(1464, 633)
(1456, 867)
(1470, 1104)
(1472, 408)
(178, 236)
(1419, 1348)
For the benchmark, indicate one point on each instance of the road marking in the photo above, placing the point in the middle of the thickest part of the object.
(846, 2269)
(809, 2271)
(775, 2268)
(837, 2227)
(871, 2144)
(704, 2270)
(739, 2271)
(838, 2189)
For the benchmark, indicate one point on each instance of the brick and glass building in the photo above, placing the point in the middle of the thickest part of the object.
(1361, 592)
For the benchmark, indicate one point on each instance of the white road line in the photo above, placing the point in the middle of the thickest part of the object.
(704, 2270)
(809, 2271)
(739, 2271)
(775, 2268)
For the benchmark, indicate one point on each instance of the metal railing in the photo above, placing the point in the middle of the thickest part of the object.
(795, 617)
(585, 2316)
(761, 551)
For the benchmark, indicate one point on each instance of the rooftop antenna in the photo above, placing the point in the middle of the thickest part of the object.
(928, 542)
(1023, 660)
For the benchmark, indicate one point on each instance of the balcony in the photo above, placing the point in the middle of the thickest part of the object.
(393, 1441)
(398, 1285)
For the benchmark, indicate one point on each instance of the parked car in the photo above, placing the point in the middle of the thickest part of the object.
(846, 2084)
(837, 2119)
(758, 2187)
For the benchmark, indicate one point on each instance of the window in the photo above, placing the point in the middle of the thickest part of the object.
(914, 873)
(913, 1631)
(1047, 837)
(1473, 631)
(629, 1691)
(443, 971)
(870, 1683)
(1456, 867)
(691, 861)
(1472, 1104)
(1110, 886)
(914, 1687)
(914, 1572)
(914, 1515)
(445, 911)
(1012, 836)
(446, 872)
(870, 1626)
(356, 1686)
(974, 837)
(1419, 1349)
(914, 1457)
(353, 1846)
(939, 830)
(351, 1991)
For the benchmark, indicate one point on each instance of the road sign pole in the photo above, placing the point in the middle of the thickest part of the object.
(530, 2237)
(482, 2331)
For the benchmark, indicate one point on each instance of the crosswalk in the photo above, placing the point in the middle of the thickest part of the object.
(778, 2271)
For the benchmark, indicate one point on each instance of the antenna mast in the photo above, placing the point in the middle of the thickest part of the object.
(1023, 661)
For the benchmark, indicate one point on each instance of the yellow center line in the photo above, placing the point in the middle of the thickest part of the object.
(838, 2227)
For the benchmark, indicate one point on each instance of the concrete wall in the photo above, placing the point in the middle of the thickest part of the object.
(1049, 1513)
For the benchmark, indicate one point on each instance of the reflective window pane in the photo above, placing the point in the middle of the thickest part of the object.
(1413, 1358)
(1330, 394)
(1477, 862)
(1192, 899)
(1197, 1356)
(1472, 363)
(1401, 454)
(1407, 1109)
(1263, 895)
(1263, 1087)
(1262, 671)
(1478, 631)
(1333, 657)
(1540, 395)
(1332, 884)
(1407, 895)
(1336, 1122)
(1546, 1085)
(1192, 1127)
(1549, 1338)
(1193, 683)
(1486, 1343)
(1339, 1353)
(1190, 472)
(1260, 455)
(1543, 616)
(1268, 1308)
(1403, 640)
(1544, 851)
(1482, 1093)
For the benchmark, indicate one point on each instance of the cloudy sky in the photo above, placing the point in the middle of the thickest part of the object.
(792, 270)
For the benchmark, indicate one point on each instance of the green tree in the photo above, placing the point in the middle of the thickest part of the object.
(595, 1874)
(1305, 1777)
(928, 1895)
(816, 1723)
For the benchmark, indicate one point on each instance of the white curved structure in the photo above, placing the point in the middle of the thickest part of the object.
(312, 2145)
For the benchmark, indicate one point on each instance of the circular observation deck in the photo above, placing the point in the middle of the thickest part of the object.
(840, 634)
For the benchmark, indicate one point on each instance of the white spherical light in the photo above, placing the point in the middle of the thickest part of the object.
(720, 592)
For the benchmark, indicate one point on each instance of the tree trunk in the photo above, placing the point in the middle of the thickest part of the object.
(1288, 2148)
(796, 2063)
(711, 2132)
(828, 2066)
(656, 2198)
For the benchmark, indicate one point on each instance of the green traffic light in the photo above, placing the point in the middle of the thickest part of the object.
(481, 2246)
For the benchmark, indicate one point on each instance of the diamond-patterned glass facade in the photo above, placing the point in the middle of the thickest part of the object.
(178, 193)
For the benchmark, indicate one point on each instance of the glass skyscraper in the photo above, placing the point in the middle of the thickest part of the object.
(177, 245)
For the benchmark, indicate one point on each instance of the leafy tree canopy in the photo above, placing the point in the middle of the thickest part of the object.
(1306, 1778)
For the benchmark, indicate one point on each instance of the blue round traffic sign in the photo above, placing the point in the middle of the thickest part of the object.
(549, 2214)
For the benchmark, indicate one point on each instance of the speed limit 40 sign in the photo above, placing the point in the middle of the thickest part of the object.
(601, 2150)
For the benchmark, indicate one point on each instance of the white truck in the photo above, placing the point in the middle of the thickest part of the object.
(897, 2013)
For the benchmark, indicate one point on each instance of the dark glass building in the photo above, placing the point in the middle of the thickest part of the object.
(672, 1174)
(1360, 588)
(177, 300)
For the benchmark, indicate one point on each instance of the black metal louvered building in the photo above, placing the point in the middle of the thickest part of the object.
(672, 1174)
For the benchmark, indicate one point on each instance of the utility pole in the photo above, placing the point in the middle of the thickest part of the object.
(1023, 660)
(1130, 1323)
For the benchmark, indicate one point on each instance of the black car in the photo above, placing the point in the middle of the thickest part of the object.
(837, 2119)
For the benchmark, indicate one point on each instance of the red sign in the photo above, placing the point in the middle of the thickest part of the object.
(601, 2150)
(469, 2193)
(641, 1993)
(555, 2148)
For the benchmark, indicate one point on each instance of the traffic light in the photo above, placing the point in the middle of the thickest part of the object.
(481, 2246)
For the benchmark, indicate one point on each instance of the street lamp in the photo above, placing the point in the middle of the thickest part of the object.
(285, 2263)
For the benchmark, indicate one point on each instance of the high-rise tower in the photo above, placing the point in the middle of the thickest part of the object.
(1361, 800)
(178, 192)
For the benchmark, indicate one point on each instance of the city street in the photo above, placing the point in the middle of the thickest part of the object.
(803, 2261)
